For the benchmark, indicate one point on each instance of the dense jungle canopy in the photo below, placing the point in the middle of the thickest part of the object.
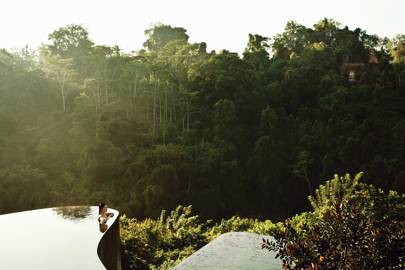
(169, 124)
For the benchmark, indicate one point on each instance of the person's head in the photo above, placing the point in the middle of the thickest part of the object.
(102, 208)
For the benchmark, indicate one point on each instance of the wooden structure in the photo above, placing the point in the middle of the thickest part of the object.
(353, 69)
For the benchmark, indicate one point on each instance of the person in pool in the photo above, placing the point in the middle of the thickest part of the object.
(103, 215)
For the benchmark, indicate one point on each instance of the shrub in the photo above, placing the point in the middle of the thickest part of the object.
(161, 243)
(353, 226)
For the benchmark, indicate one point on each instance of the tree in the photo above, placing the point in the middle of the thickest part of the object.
(225, 119)
(268, 159)
(397, 49)
(256, 54)
(291, 42)
(70, 41)
(160, 35)
(353, 225)
(301, 168)
(61, 70)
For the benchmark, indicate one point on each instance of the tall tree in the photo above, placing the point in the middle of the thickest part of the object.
(160, 35)
(61, 70)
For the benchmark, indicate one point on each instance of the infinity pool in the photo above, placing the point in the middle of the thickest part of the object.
(233, 251)
(54, 238)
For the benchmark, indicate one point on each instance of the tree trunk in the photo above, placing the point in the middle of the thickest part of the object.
(165, 119)
(188, 116)
(154, 112)
(183, 120)
(134, 98)
(160, 111)
(309, 186)
(63, 96)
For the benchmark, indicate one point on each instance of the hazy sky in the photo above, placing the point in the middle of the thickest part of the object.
(222, 24)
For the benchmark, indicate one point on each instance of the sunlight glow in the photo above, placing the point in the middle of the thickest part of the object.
(221, 24)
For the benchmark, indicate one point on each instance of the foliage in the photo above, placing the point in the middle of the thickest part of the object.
(163, 242)
(353, 225)
(157, 244)
(172, 124)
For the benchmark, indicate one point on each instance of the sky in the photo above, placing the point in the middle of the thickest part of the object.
(222, 24)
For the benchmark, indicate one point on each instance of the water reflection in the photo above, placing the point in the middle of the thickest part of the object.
(234, 250)
(74, 213)
(62, 238)
(103, 227)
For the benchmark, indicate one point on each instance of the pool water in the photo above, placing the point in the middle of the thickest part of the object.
(54, 238)
(233, 251)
